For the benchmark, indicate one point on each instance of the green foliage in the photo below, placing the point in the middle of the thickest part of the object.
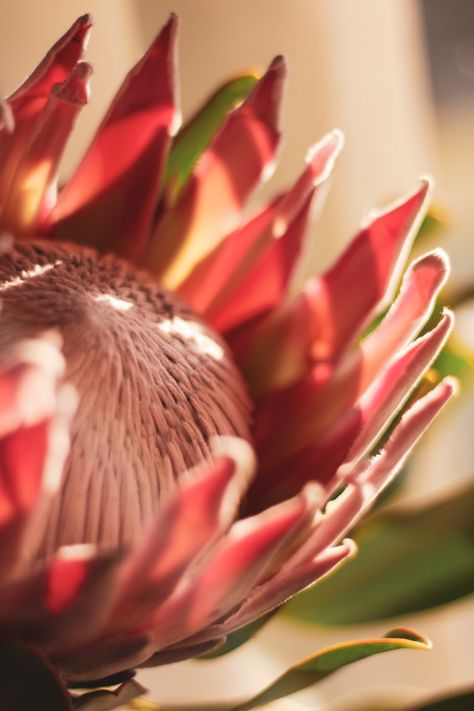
(197, 134)
(313, 669)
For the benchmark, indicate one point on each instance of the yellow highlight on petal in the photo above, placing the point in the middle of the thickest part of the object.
(208, 223)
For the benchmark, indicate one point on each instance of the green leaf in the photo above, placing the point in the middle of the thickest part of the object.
(462, 701)
(409, 560)
(28, 681)
(238, 638)
(329, 660)
(451, 361)
(434, 222)
(104, 700)
(197, 134)
(310, 670)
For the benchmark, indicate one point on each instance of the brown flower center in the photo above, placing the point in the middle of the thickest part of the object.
(154, 384)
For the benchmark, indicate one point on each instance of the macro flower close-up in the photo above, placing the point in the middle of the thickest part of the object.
(188, 431)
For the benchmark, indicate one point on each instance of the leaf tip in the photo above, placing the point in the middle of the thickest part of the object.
(411, 635)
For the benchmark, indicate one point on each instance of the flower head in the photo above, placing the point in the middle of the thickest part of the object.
(189, 351)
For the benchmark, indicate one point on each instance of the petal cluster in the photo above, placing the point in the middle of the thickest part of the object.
(245, 532)
(198, 573)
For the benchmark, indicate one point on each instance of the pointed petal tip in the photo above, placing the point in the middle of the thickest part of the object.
(437, 257)
(171, 25)
(350, 546)
(450, 386)
(448, 317)
(278, 65)
(85, 20)
(75, 89)
(164, 40)
(265, 99)
(333, 140)
(314, 494)
(237, 449)
(427, 183)
(321, 156)
(439, 334)
(426, 408)
(416, 201)
(81, 28)
(437, 262)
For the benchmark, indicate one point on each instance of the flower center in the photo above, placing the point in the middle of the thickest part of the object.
(154, 382)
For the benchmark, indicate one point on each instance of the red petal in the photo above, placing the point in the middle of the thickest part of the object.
(34, 184)
(249, 271)
(236, 566)
(321, 398)
(320, 322)
(33, 439)
(211, 203)
(111, 198)
(365, 485)
(28, 384)
(54, 68)
(413, 423)
(290, 580)
(265, 285)
(383, 399)
(28, 102)
(282, 473)
(66, 602)
(189, 522)
(212, 277)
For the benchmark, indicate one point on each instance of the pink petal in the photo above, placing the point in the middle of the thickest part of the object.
(286, 583)
(413, 423)
(64, 604)
(185, 527)
(110, 200)
(365, 484)
(54, 68)
(210, 205)
(323, 396)
(221, 269)
(280, 474)
(242, 559)
(31, 462)
(29, 100)
(316, 556)
(249, 271)
(81, 588)
(384, 398)
(33, 440)
(276, 590)
(23, 456)
(279, 478)
(33, 188)
(266, 284)
(317, 324)
(28, 384)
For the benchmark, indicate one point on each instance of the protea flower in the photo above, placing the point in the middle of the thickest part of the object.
(189, 351)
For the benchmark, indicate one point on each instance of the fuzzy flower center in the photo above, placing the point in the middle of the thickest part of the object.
(155, 384)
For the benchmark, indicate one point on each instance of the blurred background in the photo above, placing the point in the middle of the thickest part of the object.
(398, 77)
